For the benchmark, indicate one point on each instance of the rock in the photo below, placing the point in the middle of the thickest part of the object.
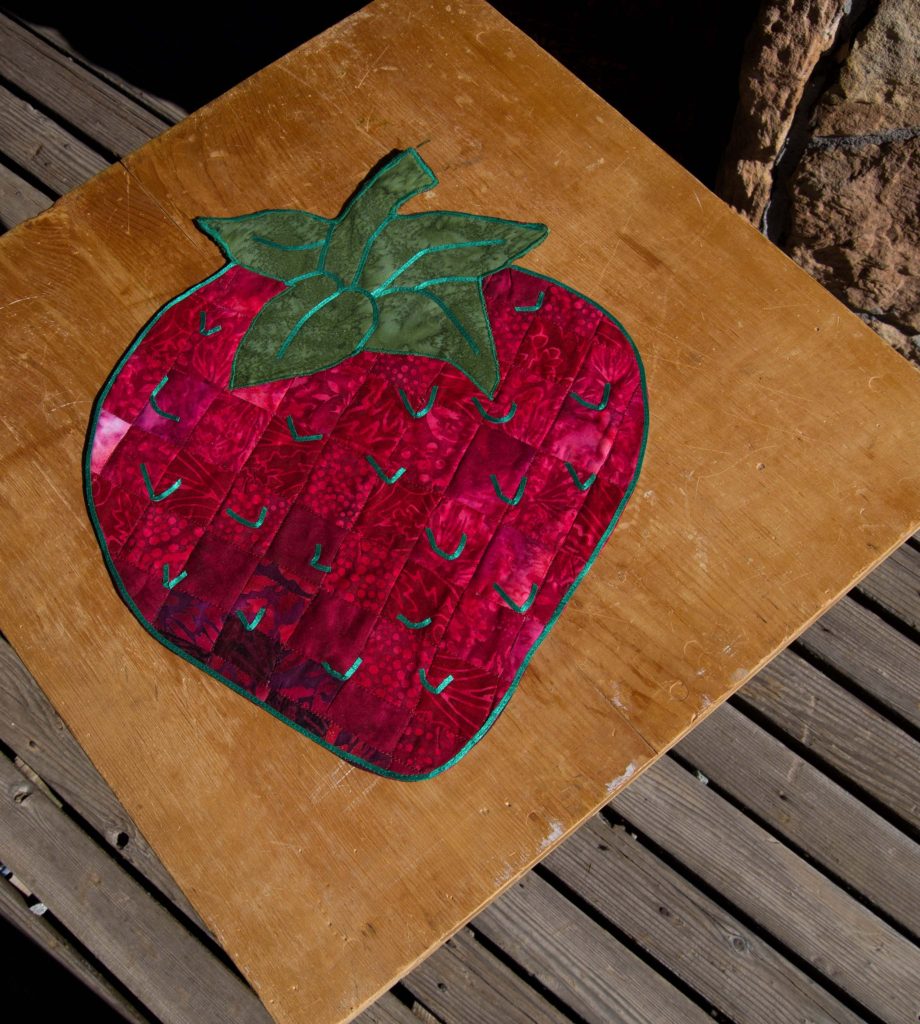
(879, 87)
(785, 44)
(854, 199)
(855, 226)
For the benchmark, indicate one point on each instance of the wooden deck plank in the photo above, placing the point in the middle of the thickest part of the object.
(387, 1010)
(40, 931)
(829, 824)
(840, 729)
(51, 154)
(75, 94)
(734, 969)
(18, 199)
(874, 655)
(896, 585)
(737, 611)
(465, 984)
(585, 966)
(169, 111)
(30, 726)
(764, 879)
(171, 973)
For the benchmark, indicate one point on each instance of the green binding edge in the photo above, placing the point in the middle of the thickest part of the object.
(345, 755)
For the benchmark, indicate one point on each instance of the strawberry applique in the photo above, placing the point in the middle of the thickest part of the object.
(357, 473)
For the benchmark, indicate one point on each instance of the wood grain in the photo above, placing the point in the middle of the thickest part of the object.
(47, 937)
(30, 725)
(166, 109)
(151, 953)
(799, 906)
(846, 734)
(737, 971)
(597, 976)
(755, 510)
(464, 984)
(872, 654)
(18, 199)
(76, 95)
(56, 158)
(896, 586)
(810, 811)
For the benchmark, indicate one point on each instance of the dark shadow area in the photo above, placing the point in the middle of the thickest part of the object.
(671, 68)
(42, 990)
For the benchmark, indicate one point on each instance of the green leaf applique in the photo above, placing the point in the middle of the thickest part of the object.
(445, 321)
(282, 244)
(406, 284)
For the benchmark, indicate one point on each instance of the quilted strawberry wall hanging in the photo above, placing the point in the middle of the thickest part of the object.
(358, 472)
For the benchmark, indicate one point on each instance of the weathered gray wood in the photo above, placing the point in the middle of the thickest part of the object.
(169, 111)
(43, 933)
(585, 966)
(866, 649)
(843, 731)
(387, 1010)
(814, 813)
(465, 984)
(791, 899)
(18, 199)
(41, 146)
(895, 585)
(30, 726)
(75, 94)
(137, 940)
(734, 969)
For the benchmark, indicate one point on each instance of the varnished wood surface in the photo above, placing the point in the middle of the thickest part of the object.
(711, 546)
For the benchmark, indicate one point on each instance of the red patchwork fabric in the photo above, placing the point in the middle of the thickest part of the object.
(372, 550)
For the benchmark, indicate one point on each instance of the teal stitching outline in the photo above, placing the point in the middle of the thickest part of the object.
(343, 754)
(253, 524)
(342, 677)
(203, 323)
(458, 551)
(247, 625)
(518, 494)
(216, 237)
(582, 486)
(440, 688)
(378, 469)
(532, 309)
(495, 419)
(153, 401)
(301, 437)
(380, 292)
(521, 609)
(170, 583)
(315, 560)
(432, 395)
(594, 406)
(163, 494)
(414, 625)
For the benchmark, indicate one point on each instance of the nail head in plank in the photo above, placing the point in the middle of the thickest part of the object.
(773, 885)
(811, 811)
(708, 554)
(735, 970)
(172, 973)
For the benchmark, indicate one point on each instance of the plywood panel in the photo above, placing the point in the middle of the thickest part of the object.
(782, 464)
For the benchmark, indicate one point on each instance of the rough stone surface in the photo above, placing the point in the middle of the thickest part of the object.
(854, 214)
(879, 87)
(786, 42)
(829, 160)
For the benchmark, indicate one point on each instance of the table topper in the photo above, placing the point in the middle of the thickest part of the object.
(358, 472)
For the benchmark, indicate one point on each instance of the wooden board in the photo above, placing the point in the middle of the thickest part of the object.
(781, 467)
